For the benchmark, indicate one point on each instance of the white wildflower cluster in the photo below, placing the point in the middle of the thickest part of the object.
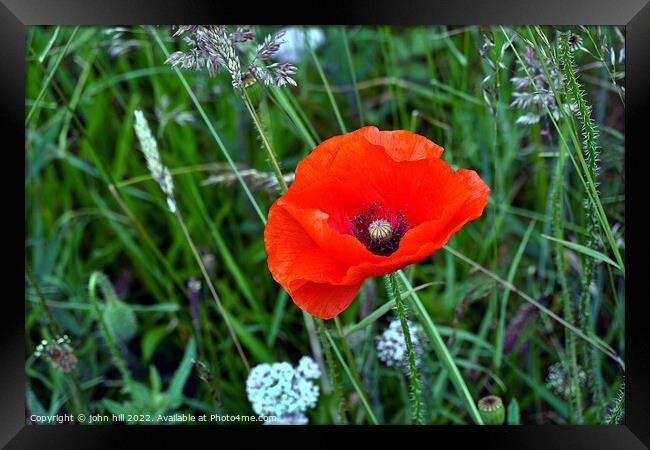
(215, 46)
(391, 346)
(284, 391)
(557, 379)
(149, 148)
(308, 369)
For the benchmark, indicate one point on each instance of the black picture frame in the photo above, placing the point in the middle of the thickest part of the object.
(634, 14)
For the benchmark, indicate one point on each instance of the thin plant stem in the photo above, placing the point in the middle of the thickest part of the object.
(145, 235)
(213, 291)
(332, 371)
(503, 307)
(346, 347)
(352, 378)
(55, 329)
(323, 78)
(392, 287)
(267, 146)
(207, 167)
(443, 353)
(591, 149)
(316, 348)
(538, 305)
(612, 75)
(348, 353)
(295, 115)
(49, 77)
(348, 55)
(558, 230)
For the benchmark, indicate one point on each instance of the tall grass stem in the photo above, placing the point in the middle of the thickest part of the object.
(392, 287)
(443, 353)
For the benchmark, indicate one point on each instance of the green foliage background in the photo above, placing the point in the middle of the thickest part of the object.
(91, 206)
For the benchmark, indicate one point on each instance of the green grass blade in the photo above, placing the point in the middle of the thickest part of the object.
(443, 353)
(584, 250)
(357, 387)
(538, 305)
(48, 47)
(49, 77)
(348, 56)
(383, 309)
(501, 326)
(580, 165)
(328, 89)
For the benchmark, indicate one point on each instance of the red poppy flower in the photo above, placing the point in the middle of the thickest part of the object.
(363, 204)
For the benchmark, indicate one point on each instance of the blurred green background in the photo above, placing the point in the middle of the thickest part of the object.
(92, 206)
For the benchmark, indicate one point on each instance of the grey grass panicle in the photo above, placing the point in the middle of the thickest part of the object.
(533, 95)
(257, 179)
(215, 46)
(149, 147)
(391, 345)
(282, 392)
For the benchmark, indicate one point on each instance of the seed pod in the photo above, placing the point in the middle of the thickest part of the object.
(492, 410)
(120, 320)
(380, 230)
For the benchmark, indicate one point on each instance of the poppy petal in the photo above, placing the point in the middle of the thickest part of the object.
(399, 145)
(343, 247)
(293, 254)
(402, 145)
(324, 300)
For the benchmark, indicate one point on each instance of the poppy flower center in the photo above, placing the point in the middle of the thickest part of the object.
(379, 229)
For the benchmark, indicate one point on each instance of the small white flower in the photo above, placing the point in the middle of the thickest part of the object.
(283, 391)
(391, 346)
(307, 368)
